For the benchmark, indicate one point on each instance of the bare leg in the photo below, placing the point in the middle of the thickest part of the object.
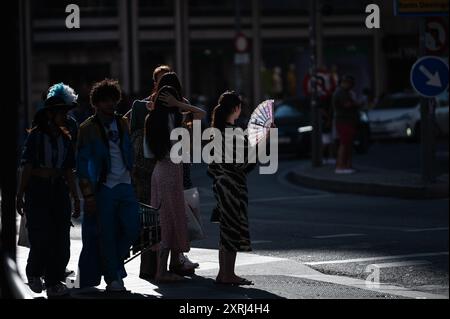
(163, 256)
(229, 263)
(227, 273)
(220, 275)
(162, 275)
(340, 163)
(175, 258)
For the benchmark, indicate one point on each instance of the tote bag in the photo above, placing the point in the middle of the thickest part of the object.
(192, 205)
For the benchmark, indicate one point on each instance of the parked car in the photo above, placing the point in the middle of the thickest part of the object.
(398, 116)
(289, 118)
(293, 120)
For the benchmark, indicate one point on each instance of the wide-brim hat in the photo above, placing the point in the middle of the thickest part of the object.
(55, 102)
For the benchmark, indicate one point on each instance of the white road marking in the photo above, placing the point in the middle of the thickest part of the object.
(362, 284)
(275, 199)
(272, 199)
(356, 260)
(418, 230)
(260, 242)
(209, 258)
(301, 222)
(402, 264)
(338, 236)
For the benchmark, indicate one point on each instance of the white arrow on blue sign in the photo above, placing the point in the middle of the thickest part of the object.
(429, 76)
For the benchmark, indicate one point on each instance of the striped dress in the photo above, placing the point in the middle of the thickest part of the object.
(230, 191)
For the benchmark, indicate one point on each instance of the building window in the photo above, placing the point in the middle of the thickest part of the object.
(156, 8)
(55, 9)
(218, 8)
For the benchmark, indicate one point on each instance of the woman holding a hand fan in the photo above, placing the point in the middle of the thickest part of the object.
(230, 189)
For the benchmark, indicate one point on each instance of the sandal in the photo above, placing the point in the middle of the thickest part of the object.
(181, 270)
(241, 282)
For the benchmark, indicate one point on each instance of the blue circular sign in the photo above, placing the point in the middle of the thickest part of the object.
(429, 76)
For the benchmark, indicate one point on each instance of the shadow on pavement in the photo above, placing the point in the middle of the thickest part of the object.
(198, 287)
(102, 294)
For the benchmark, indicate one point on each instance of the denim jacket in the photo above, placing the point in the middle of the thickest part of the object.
(93, 156)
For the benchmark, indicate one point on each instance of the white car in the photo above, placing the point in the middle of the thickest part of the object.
(398, 116)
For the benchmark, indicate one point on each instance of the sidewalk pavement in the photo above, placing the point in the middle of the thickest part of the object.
(274, 278)
(369, 181)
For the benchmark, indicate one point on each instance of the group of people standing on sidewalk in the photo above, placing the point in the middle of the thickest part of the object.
(119, 162)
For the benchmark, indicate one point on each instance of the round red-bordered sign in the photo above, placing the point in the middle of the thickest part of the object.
(436, 35)
(241, 43)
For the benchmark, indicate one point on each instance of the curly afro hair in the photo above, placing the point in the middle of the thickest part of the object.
(106, 90)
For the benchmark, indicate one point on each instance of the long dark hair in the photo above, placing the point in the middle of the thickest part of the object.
(156, 124)
(41, 122)
(228, 102)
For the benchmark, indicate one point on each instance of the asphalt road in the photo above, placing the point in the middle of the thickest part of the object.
(342, 234)
(404, 156)
(314, 244)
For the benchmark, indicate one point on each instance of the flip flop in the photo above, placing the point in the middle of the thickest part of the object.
(242, 282)
(245, 282)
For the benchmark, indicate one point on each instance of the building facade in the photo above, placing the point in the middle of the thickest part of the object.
(127, 39)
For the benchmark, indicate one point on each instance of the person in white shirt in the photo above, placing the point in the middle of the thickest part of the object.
(104, 162)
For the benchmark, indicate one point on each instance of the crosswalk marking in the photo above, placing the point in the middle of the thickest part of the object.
(418, 230)
(402, 264)
(338, 236)
(355, 260)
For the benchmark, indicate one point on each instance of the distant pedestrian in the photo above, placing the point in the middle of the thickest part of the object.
(328, 144)
(47, 181)
(111, 217)
(277, 82)
(292, 81)
(230, 190)
(346, 114)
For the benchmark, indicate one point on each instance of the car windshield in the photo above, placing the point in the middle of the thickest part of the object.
(287, 111)
(391, 102)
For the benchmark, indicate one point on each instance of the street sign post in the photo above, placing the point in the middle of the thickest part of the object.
(314, 34)
(427, 74)
(429, 78)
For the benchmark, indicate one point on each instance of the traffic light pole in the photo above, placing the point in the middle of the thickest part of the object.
(316, 145)
(427, 136)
